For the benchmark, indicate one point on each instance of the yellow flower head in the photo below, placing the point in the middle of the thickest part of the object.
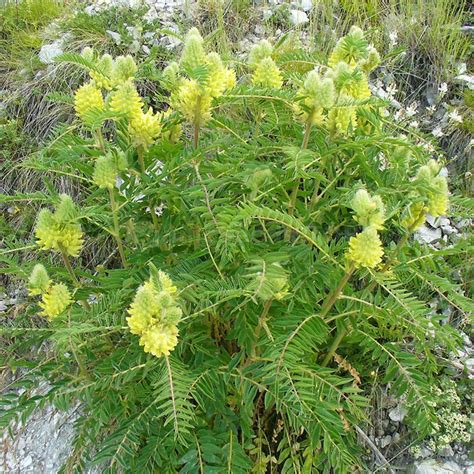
(193, 102)
(123, 70)
(267, 74)
(438, 199)
(39, 281)
(372, 60)
(171, 78)
(369, 210)
(365, 249)
(193, 54)
(145, 128)
(342, 119)
(86, 99)
(59, 231)
(350, 82)
(143, 309)
(319, 92)
(56, 299)
(154, 314)
(220, 78)
(351, 49)
(126, 101)
(433, 188)
(159, 339)
(107, 168)
(260, 51)
(102, 79)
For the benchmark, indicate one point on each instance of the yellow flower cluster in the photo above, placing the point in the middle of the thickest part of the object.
(107, 168)
(59, 231)
(197, 80)
(88, 98)
(433, 194)
(55, 298)
(365, 249)
(266, 73)
(126, 101)
(116, 76)
(154, 315)
(369, 211)
(107, 72)
(145, 128)
(350, 63)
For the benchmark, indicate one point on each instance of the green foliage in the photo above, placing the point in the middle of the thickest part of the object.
(280, 334)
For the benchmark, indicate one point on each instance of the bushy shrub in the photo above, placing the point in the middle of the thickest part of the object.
(261, 269)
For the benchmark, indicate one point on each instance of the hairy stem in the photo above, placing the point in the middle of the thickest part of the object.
(118, 238)
(328, 304)
(141, 162)
(67, 264)
(261, 324)
(294, 192)
(334, 295)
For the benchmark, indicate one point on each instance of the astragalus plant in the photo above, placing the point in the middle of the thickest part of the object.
(260, 274)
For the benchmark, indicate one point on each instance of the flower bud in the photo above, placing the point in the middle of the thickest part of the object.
(193, 54)
(124, 69)
(102, 79)
(369, 210)
(39, 281)
(259, 51)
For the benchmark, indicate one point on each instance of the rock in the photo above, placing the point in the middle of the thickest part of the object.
(447, 452)
(426, 235)
(469, 363)
(3, 306)
(397, 413)
(115, 36)
(298, 17)
(431, 466)
(385, 441)
(50, 51)
(426, 452)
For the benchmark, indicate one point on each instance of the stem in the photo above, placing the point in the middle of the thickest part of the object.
(261, 324)
(67, 264)
(196, 136)
(141, 162)
(334, 295)
(118, 238)
(335, 344)
(70, 270)
(100, 139)
(294, 192)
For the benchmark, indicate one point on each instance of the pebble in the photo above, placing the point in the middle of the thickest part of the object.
(427, 235)
(398, 413)
(431, 466)
(49, 52)
(298, 17)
